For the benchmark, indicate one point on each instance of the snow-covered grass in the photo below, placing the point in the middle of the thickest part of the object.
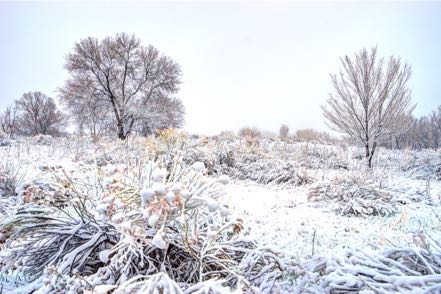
(285, 219)
(289, 207)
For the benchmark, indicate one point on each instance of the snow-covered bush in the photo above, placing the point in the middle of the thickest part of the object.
(43, 236)
(42, 139)
(270, 170)
(10, 178)
(356, 196)
(393, 270)
(167, 142)
(156, 283)
(163, 230)
(424, 165)
(250, 164)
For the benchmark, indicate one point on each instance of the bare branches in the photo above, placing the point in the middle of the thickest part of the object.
(422, 133)
(8, 121)
(124, 78)
(34, 113)
(284, 131)
(370, 101)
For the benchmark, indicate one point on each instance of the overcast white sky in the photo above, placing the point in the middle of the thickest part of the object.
(258, 64)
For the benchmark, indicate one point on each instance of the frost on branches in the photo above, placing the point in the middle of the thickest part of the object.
(159, 231)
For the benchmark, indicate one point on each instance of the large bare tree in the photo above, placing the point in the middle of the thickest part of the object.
(38, 114)
(371, 100)
(119, 74)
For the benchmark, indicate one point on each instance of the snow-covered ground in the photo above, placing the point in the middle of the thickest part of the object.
(269, 191)
(286, 220)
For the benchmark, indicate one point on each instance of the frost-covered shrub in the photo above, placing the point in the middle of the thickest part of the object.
(425, 165)
(52, 188)
(157, 283)
(316, 156)
(393, 270)
(7, 207)
(269, 162)
(42, 139)
(166, 226)
(220, 160)
(356, 196)
(42, 236)
(266, 170)
(250, 132)
(170, 140)
(10, 178)
(249, 164)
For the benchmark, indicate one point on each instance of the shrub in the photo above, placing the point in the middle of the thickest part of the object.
(311, 135)
(354, 196)
(169, 232)
(250, 132)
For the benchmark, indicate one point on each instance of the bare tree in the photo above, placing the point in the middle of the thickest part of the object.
(8, 120)
(38, 114)
(283, 131)
(120, 74)
(371, 100)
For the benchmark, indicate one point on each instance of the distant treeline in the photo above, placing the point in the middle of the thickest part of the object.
(424, 133)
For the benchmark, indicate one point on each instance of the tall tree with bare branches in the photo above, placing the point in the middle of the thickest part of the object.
(371, 100)
(119, 74)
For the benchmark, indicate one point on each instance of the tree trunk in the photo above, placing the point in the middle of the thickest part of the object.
(121, 133)
(367, 151)
(371, 155)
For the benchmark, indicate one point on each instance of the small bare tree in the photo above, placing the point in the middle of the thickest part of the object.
(8, 120)
(122, 75)
(371, 100)
(283, 131)
(38, 114)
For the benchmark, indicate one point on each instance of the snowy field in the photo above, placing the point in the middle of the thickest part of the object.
(284, 219)
(304, 218)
